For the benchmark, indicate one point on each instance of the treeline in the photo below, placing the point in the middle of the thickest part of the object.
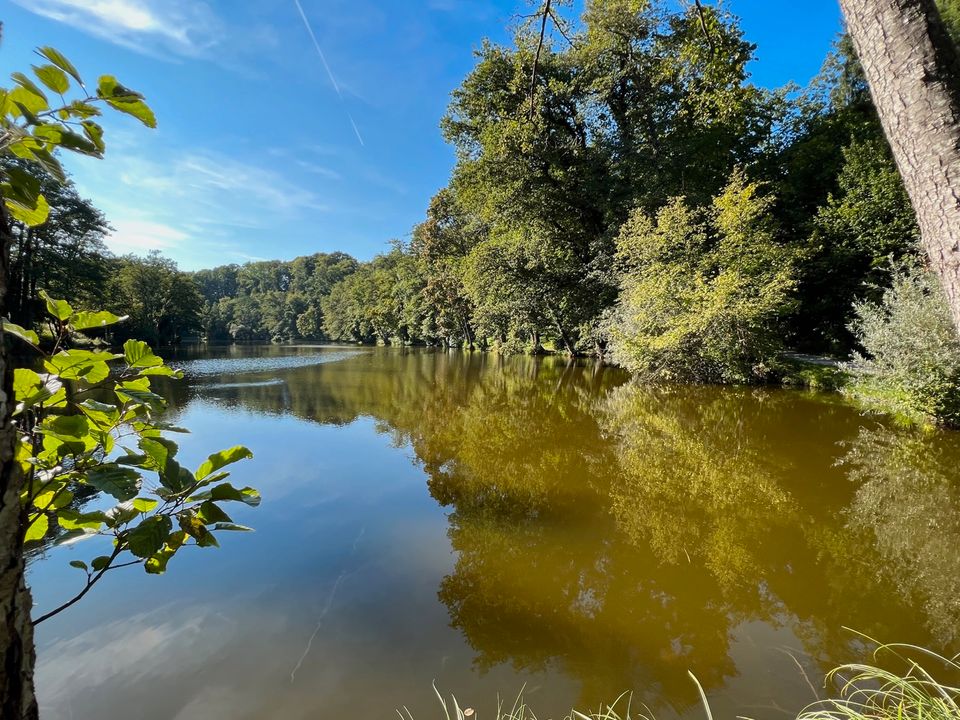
(647, 202)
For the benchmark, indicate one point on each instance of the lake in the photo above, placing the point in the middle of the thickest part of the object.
(496, 524)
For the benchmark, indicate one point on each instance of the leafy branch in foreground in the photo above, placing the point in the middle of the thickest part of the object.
(33, 128)
(89, 422)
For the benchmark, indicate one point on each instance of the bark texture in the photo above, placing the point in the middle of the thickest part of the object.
(914, 73)
(17, 700)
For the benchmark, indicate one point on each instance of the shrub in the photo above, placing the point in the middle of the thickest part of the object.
(911, 359)
(703, 290)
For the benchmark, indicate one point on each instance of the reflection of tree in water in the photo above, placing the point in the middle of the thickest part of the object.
(908, 497)
(622, 535)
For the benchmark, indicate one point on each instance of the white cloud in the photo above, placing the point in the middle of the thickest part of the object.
(186, 28)
(132, 235)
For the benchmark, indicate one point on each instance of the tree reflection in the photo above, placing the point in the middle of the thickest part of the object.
(908, 498)
(624, 535)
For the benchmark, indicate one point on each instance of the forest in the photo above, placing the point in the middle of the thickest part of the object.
(639, 200)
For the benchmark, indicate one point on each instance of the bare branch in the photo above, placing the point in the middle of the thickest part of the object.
(703, 26)
(536, 58)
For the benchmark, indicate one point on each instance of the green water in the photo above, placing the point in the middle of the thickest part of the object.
(496, 523)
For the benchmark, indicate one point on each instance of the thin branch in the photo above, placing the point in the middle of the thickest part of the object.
(91, 581)
(536, 58)
(558, 24)
(703, 26)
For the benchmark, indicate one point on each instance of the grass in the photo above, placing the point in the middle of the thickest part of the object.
(870, 692)
(812, 376)
(862, 692)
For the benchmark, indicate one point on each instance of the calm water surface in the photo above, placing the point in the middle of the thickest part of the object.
(498, 523)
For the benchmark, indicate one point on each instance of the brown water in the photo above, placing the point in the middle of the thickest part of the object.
(494, 524)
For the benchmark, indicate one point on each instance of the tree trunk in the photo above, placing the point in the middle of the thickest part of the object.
(17, 701)
(914, 73)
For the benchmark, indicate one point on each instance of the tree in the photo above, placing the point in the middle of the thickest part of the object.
(162, 302)
(703, 290)
(65, 256)
(913, 68)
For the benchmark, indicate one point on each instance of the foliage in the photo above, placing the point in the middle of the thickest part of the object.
(860, 230)
(911, 354)
(65, 256)
(875, 692)
(702, 289)
(33, 128)
(78, 409)
(163, 303)
(89, 420)
(271, 300)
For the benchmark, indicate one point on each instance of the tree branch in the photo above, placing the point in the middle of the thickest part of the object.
(703, 26)
(536, 58)
(91, 581)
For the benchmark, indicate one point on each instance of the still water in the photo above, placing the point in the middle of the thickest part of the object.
(497, 524)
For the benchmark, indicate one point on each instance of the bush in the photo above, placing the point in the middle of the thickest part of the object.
(911, 358)
(703, 290)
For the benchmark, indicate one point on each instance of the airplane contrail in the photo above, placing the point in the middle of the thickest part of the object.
(326, 66)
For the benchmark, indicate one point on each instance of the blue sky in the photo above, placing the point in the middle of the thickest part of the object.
(258, 153)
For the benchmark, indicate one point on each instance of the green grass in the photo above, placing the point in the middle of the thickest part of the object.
(871, 692)
(861, 691)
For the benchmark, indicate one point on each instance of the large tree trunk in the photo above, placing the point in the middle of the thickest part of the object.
(914, 74)
(17, 700)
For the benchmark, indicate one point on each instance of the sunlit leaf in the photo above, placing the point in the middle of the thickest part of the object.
(222, 459)
(60, 309)
(58, 59)
(139, 355)
(26, 335)
(38, 529)
(84, 320)
(53, 77)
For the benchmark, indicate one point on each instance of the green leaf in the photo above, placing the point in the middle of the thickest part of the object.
(211, 513)
(27, 102)
(73, 520)
(58, 59)
(120, 514)
(84, 320)
(28, 336)
(94, 133)
(60, 309)
(38, 529)
(25, 82)
(139, 355)
(79, 564)
(53, 499)
(80, 365)
(100, 562)
(30, 388)
(144, 505)
(70, 140)
(30, 215)
(149, 536)
(125, 100)
(233, 527)
(226, 491)
(222, 459)
(53, 77)
(123, 483)
(162, 370)
(194, 527)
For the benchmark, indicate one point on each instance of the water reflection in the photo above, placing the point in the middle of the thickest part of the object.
(604, 537)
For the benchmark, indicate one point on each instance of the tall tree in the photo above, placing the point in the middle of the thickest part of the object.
(913, 68)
